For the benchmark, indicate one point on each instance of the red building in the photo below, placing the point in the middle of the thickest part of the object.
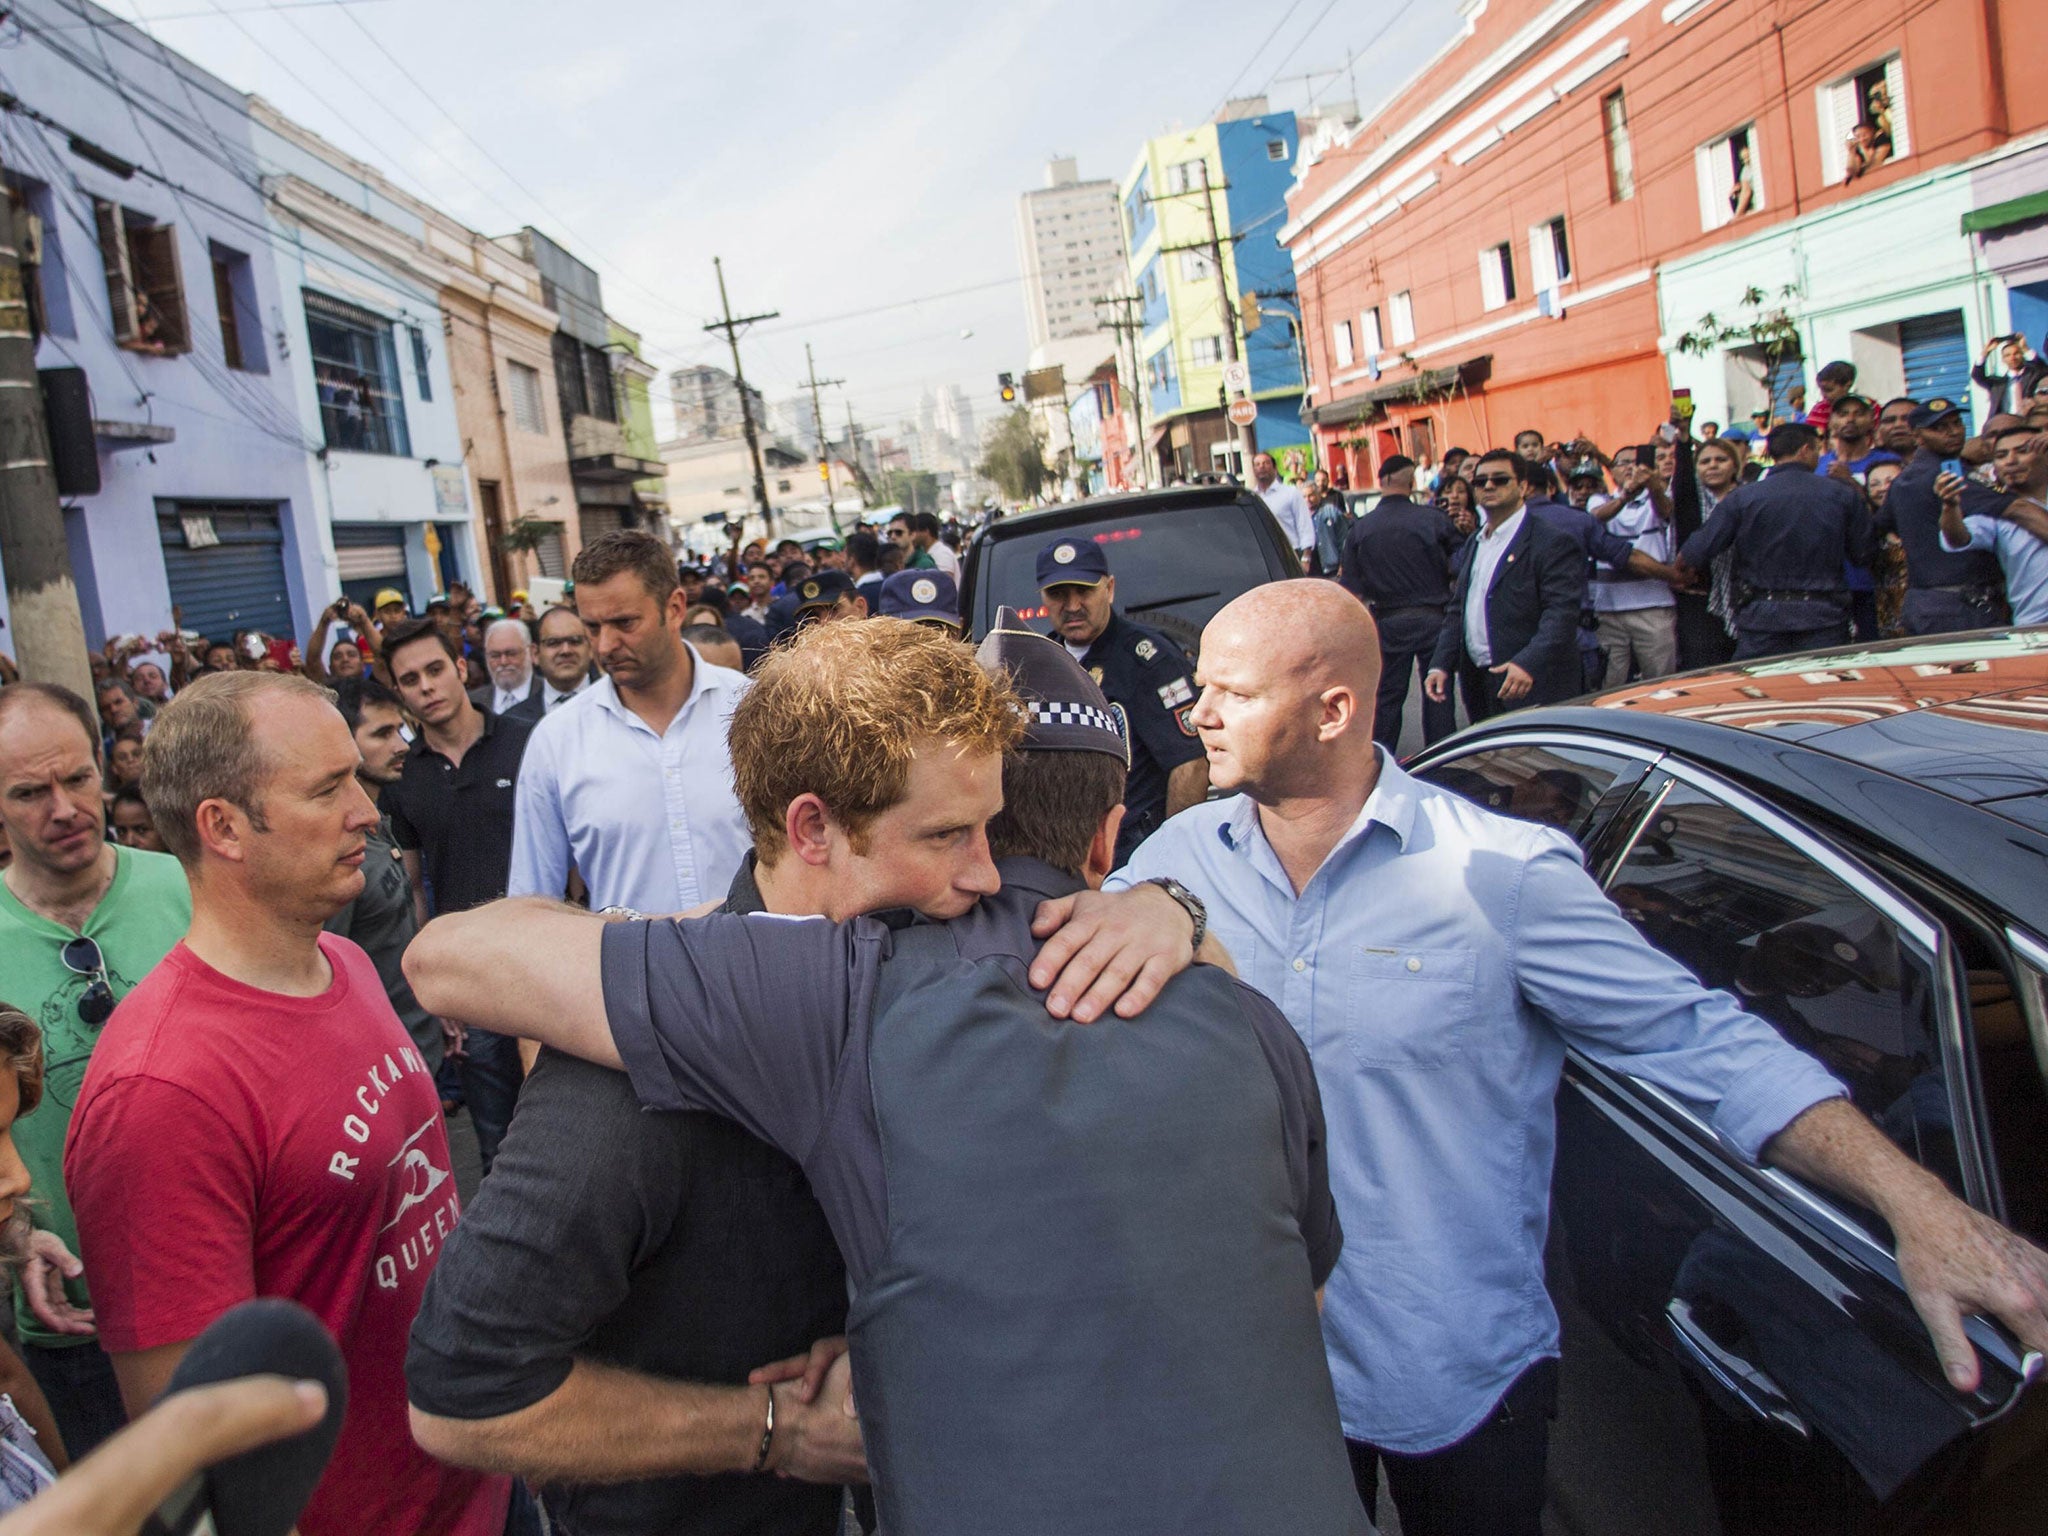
(1482, 254)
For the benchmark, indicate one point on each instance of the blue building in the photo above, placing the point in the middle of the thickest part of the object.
(1243, 163)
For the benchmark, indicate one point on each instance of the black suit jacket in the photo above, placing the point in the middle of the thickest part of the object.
(481, 698)
(1532, 610)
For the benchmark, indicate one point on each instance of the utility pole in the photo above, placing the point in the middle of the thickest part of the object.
(1247, 444)
(1128, 325)
(860, 475)
(42, 596)
(818, 421)
(732, 327)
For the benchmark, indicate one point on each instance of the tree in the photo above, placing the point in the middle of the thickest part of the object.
(1013, 457)
(914, 490)
(1773, 332)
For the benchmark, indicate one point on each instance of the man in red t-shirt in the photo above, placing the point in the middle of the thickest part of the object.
(256, 1121)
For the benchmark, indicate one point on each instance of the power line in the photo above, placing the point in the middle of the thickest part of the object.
(291, 5)
(1252, 57)
(878, 309)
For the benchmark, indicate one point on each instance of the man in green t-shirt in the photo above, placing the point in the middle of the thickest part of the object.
(81, 922)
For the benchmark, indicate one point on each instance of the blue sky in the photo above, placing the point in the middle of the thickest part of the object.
(838, 156)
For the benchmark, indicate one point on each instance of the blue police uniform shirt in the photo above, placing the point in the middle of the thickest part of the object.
(1792, 531)
(1913, 512)
(1436, 966)
(1154, 681)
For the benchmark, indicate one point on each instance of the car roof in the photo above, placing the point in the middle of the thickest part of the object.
(1117, 504)
(1911, 742)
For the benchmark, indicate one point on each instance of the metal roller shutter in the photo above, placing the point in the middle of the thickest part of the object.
(595, 522)
(1936, 355)
(371, 556)
(234, 583)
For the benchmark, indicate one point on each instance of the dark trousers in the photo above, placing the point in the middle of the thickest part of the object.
(1488, 1484)
(1481, 689)
(490, 1087)
(1930, 611)
(1753, 643)
(78, 1380)
(1702, 641)
(1407, 636)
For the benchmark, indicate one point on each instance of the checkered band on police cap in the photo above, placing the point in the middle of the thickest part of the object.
(1066, 710)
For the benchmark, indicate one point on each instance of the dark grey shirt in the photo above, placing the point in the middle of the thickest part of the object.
(382, 921)
(768, 1019)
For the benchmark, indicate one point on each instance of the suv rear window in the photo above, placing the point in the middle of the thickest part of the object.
(1173, 570)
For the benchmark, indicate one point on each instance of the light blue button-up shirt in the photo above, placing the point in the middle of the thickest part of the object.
(651, 822)
(1436, 966)
(2022, 557)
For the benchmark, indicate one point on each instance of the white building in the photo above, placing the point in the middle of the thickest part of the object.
(1070, 242)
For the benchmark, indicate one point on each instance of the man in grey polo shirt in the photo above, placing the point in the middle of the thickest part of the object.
(1083, 1259)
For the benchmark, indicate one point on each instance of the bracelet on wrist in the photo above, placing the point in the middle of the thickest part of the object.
(767, 1435)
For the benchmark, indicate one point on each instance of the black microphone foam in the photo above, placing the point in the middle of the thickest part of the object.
(260, 1492)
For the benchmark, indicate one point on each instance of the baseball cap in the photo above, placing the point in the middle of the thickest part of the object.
(1065, 709)
(1072, 563)
(1863, 400)
(823, 589)
(921, 595)
(1928, 412)
(386, 597)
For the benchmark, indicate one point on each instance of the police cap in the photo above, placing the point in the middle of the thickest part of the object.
(921, 596)
(823, 590)
(1072, 563)
(1066, 710)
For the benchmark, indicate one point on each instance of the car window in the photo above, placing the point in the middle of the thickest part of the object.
(1557, 785)
(2009, 1026)
(1173, 570)
(1747, 912)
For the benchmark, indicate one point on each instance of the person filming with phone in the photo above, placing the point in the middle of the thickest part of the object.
(1945, 591)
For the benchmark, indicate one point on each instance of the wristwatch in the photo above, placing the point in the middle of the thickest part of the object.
(621, 915)
(1190, 903)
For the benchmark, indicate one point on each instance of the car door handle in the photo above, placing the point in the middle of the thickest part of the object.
(1735, 1376)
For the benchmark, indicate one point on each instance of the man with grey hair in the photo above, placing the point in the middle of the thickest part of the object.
(311, 1161)
(509, 657)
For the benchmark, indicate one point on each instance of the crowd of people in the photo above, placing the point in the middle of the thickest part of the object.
(786, 955)
(1533, 573)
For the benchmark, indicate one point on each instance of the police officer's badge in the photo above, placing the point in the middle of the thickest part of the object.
(1184, 718)
(1065, 554)
(810, 590)
(1146, 650)
(924, 591)
(1177, 693)
(1095, 673)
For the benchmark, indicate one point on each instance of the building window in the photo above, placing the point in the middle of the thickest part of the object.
(527, 412)
(1187, 176)
(1731, 181)
(1205, 351)
(1863, 121)
(355, 372)
(1550, 257)
(1369, 340)
(234, 299)
(1342, 337)
(1497, 275)
(143, 287)
(1276, 149)
(1195, 267)
(1401, 314)
(1621, 160)
(583, 378)
(419, 362)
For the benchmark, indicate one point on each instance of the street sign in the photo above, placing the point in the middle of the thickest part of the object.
(1237, 375)
(1243, 413)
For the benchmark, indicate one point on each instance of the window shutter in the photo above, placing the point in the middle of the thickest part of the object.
(1757, 198)
(114, 255)
(1401, 310)
(1345, 355)
(1542, 258)
(1895, 87)
(1490, 291)
(1838, 116)
(154, 252)
(1369, 331)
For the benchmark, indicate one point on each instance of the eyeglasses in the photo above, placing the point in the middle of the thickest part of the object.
(1493, 480)
(82, 957)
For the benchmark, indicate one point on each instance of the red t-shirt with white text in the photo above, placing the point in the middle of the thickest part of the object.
(231, 1143)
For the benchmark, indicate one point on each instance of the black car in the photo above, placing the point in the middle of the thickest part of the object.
(1177, 556)
(1855, 845)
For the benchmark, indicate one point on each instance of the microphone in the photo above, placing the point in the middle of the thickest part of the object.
(260, 1492)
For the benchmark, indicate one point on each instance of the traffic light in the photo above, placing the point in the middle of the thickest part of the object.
(1248, 308)
(1006, 386)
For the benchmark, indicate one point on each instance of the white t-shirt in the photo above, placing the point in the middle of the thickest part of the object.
(1493, 546)
(944, 558)
(1637, 522)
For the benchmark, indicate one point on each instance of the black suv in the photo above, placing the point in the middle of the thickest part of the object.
(1178, 556)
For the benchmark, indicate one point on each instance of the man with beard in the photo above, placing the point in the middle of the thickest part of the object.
(633, 787)
(451, 813)
(81, 922)
(508, 657)
(382, 920)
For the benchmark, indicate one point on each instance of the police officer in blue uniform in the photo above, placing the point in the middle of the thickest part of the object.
(1945, 591)
(1140, 670)
(1793, 532)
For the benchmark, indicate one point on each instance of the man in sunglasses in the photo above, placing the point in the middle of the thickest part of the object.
(81, 922)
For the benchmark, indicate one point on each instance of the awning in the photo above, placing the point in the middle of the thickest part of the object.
(2017, 210)
(1416, 387)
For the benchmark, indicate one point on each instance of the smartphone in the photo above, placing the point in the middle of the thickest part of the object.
(1952, 467)
(1681, 402)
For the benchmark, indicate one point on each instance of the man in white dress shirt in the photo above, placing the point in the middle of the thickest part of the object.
(633, 785)
(1288, 506)
(508, 657)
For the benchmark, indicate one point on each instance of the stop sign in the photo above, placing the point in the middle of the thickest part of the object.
(1243, 412)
